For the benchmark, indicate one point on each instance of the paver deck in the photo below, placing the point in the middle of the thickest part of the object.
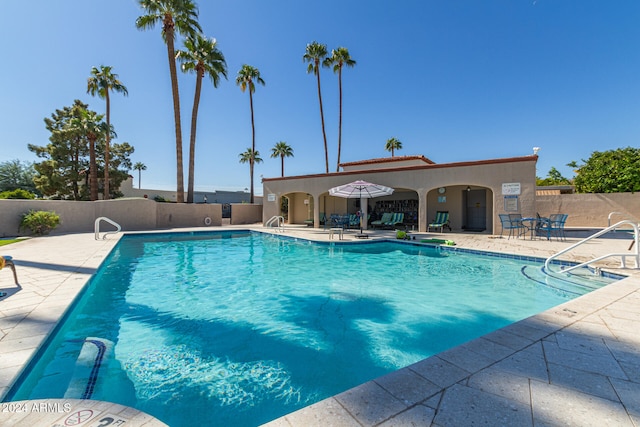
(575, 364)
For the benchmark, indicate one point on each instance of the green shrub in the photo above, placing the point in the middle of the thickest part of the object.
(18, 193)
(39, 222)
(401, 234)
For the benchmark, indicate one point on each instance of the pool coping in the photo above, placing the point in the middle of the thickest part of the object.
(440, 390)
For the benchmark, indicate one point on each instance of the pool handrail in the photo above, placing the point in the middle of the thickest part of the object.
(110, 221)
(278, 220)
(622, 256)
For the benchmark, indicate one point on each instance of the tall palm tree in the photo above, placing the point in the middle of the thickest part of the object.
(139, 166)
(314, 55)
(252, 157)
(247, 78)
(180, 16)
(101, 82)
(392, 145)
(282, 150)
(201, 57)
(339, 58)
(89, 125)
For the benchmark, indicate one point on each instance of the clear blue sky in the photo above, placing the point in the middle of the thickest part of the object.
(453, 80)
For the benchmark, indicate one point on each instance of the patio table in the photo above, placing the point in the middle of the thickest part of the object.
(533, 223)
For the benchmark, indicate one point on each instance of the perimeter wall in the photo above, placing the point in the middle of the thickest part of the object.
(591, 210)
(132, 215)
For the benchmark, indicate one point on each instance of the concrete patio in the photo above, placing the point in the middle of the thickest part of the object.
(575, 364)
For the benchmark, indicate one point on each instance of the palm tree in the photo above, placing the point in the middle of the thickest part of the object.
(202, 57)
(89, 125)
(314, 55)
(139, 166)
(252, 157)
(339, 58)
(392, 145)
(246, 79)
(180, 15)
(282, 150)
(101, 82)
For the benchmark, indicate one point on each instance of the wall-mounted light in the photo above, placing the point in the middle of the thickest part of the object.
(535, 150)
(468, 188)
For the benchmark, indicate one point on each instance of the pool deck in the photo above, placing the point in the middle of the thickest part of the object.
(575, 364)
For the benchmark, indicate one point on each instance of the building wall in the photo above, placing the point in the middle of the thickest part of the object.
(489, 175)
(214, 196)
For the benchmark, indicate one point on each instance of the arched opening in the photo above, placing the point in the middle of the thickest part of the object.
(402, 201)
(297, 208)
(470, 207)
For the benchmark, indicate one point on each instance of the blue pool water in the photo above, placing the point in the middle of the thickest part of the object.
(240, 328)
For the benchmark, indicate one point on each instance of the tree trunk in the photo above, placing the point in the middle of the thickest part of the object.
(251, 162)
(93, 181)
(192, 140)
(340, 118)
(324, 134)
(253, 144)
(169, 33)
(106, 195)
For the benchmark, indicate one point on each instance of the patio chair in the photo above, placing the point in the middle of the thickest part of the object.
(518, 224)
(554, 226)
(441, 221)
(339, 221)
(386, 217)
(513, 223)
(7, 261)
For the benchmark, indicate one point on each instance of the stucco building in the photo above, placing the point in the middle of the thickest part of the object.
(473, 193)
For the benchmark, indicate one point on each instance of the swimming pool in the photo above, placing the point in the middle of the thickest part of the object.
(239, 328)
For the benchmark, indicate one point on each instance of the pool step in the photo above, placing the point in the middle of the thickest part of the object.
(95, 351)
(578, 282)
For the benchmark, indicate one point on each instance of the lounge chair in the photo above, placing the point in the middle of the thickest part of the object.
(441, 221)
(310, 222)
(396, 218)
(386, 217)
(7, 261)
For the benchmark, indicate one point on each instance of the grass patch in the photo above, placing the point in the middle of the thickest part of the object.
(8, 241)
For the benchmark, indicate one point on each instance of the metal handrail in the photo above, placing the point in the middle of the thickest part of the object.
(622, 256)
(611, 214)
(96, 227)
(278, 219)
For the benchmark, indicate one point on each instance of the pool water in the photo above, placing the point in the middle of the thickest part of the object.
(238, 328)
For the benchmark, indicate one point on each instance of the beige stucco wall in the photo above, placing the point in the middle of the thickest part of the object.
(489, 175)
(244, 213)
(131, 214)
(179, 215)
(591, 210)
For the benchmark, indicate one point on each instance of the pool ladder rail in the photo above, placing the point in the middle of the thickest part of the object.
(96, 227)
(635, 254)
(276, 221)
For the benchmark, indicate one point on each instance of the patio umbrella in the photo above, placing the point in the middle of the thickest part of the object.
(361, 190)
